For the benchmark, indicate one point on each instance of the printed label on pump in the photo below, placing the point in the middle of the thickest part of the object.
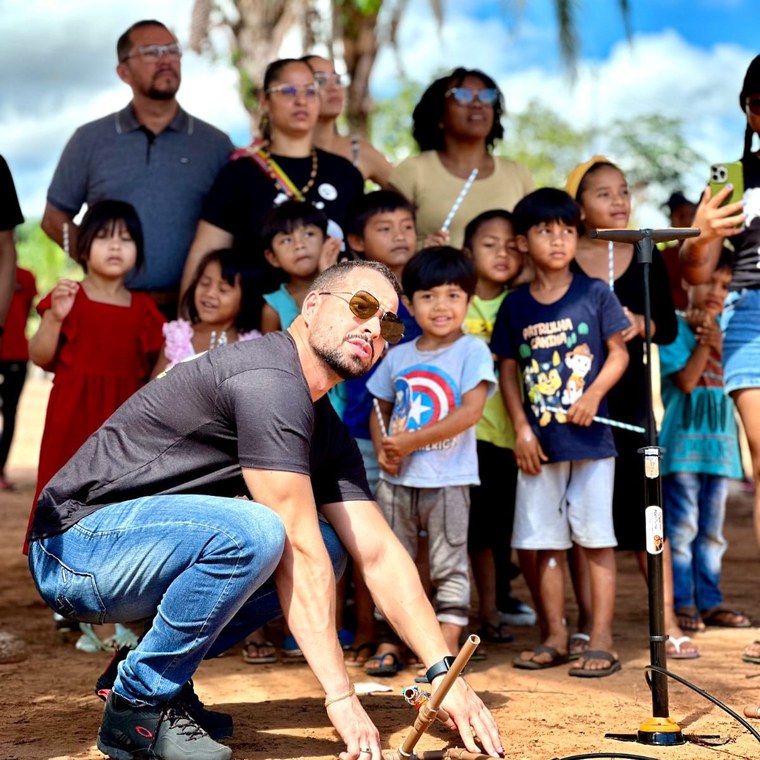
(654, 529)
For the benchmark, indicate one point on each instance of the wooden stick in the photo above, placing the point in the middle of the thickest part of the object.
(428, 712)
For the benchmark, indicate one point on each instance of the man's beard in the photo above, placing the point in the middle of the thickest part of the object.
(165, 93)
(347, 367)
(156, 94)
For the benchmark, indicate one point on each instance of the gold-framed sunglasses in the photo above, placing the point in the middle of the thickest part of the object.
(365, 306)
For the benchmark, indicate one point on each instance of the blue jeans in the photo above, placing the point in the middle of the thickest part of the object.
(199, 566)
(695, 509)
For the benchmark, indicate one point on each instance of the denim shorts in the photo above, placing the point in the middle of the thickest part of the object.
(741, 339)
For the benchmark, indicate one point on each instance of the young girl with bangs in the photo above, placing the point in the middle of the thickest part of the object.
(221, 305)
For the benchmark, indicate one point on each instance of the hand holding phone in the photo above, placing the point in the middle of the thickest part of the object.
(731, 173)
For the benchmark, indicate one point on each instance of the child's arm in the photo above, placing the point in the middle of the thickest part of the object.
(161, 364)
(708, 336)
(270, 320)
(396, 447)
(44, 343)
(386, 407)
(528, 451)
(582, 412)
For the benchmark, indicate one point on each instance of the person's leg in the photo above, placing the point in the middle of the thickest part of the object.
(528, 560)
(589, 498)
(13, 378)
(364, 607)
(711, 546)
(399, 506)
(580, 575)
(488, 533)
(680, 496)
(188, 562)
(602, 577)
(446, 512)
(542, 527)
(551, 591)
(264, 606)
(748, 405)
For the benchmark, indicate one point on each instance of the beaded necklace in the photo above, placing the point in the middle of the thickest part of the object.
(278, 175)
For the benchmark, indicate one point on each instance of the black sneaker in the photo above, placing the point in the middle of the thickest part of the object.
(167, 732)
(217, 725)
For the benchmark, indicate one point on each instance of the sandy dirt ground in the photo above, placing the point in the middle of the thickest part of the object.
(48, 708)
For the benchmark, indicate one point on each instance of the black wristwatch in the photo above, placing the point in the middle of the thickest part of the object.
(439, 668)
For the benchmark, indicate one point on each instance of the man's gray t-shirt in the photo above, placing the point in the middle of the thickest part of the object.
(190, 431)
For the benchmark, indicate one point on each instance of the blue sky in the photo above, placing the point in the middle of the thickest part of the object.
(687, 59)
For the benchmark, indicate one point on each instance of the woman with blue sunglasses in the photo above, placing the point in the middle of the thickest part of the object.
(456, 124)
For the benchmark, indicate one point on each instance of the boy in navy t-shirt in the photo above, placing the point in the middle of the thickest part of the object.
(560, 339)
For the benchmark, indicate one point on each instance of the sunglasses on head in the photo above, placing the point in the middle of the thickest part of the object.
(464, 95)
(753, 103)
(364, 306)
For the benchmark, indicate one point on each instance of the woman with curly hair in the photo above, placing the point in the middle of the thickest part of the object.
(456, 124)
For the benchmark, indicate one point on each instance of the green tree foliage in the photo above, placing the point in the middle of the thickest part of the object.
(547, 144)
(653, 150)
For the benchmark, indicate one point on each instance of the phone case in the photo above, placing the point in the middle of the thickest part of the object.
(730, 173)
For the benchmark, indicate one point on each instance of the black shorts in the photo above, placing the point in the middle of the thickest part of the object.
(492, 503)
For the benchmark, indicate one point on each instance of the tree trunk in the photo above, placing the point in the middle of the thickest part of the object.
(360, 47)
(256, 36)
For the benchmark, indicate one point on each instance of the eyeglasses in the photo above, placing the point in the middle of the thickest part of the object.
(154, 52)
(753, 103)
(323, 79)
(465, 95)
(291, 92)
(364, 306)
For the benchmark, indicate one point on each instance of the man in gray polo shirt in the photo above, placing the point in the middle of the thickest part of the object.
(151, 154)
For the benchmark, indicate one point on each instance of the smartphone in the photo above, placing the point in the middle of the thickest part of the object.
(727, 174)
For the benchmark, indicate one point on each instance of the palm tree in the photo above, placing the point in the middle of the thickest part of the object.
(257, 28)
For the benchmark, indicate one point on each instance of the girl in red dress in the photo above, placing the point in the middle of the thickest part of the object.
(100, 339)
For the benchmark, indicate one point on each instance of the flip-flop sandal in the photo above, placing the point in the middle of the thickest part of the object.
(383, 668)
(752, 658)
(675, 651)
(495, 634)
(530, 664)
(367, 646)
(725, 618)
(258, 659)
(596, 654)
(578, 642)
(689, 621)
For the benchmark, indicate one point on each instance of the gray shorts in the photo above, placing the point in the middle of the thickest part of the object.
(569, 502)
(444, 514)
